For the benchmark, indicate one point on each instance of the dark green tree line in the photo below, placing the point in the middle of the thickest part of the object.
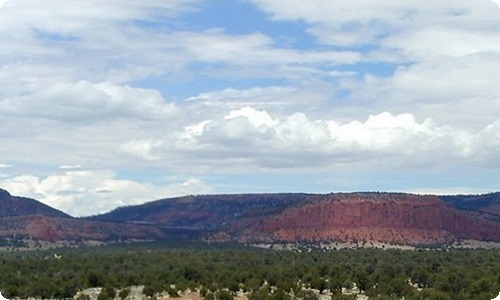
(220, 273)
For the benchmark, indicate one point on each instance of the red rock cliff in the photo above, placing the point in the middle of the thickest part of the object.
(401, 219)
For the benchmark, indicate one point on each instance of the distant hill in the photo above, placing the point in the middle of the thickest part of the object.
(486, 204)
(11, 206)
(385, 217)
(23, 219)
(395, 218)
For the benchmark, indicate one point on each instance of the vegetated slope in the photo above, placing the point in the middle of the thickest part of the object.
(206, 212)
(390, 218)
(19, 206)
(486, 204)
(24, 218)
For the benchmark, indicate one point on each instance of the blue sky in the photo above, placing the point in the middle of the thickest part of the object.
(122, 102)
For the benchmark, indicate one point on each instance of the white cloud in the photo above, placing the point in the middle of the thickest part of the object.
(19, 78)
(445, 89)
(252, 55)
(89, 84)
(218, 46)
(442, 41)
(366, 22)
(192, 131)
(251, 96)
(84, 101)
(87, 192)
(91, 14)
(115, 47)
(277, 99)
(142, 149)
(91, 39)
(2, 2)
(255, 117)
(69, 167)
(383, 139)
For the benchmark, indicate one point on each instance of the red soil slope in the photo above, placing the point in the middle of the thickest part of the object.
(69, 229)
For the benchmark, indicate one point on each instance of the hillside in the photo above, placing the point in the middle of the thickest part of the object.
(206, 212)
(11, 206)
(23, 219)
(487, 204)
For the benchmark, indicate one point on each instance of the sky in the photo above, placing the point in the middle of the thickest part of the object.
(112, 103)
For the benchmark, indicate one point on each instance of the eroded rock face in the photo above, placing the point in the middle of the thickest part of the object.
(401, 219)
(43, 228)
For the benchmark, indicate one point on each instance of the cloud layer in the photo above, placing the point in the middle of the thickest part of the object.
(106, 104)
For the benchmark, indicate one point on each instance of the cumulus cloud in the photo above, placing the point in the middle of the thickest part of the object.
(255, 117)
(266, 140)
(444, 89)
(88, 192)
